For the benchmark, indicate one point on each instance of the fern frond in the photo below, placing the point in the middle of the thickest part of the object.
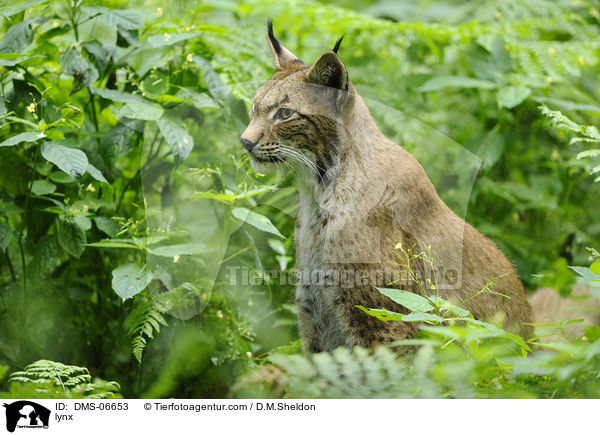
(590, 133)
(55, 377)
(142, 323)
(45, 371)
(583, 140)
(344, 373)
(588, 153)
(559, 120)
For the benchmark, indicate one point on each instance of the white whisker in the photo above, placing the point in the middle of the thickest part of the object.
(289, 151)
(302, 159)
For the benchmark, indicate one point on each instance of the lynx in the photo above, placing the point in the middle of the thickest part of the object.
(360, 195)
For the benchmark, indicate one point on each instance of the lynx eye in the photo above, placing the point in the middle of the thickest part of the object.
(283, 113)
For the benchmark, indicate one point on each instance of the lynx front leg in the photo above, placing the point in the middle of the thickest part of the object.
(311, 342)
(321, 329)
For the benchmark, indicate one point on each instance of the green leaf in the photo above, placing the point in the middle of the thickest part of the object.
(119, 140)
(6, 235)
(123, 18)
(501, 56)
(486, 65)
(121, 97)
(442, 82)
(42, 187)
(595, 267)
(135, 106)
(156, 41)
(83, 222)
(9, 207)
(512, 96)
(179, 249)
(222, 197)
(422, 317)
(12, 59)
(592, 332)
(70, 160)
(28, 136)
(73, 63)
(46, 258)
(277, 246)
(95, 173)
(97, 54)
(410, 300)
(177, 137)
(384, 315)
(130, 279)
(446, 307)
(145, 110)
(143, 60)
(71, 237)
(156, 83)
(216, 88)
(256, 220)
(61, 178)
(114, 244)
(257, 257)
(586, 273)
(283, 261)
(18, 37)
(107, 226)
(198, 100)
(9, 11)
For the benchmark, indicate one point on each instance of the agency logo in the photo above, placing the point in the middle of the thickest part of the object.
(26, 415)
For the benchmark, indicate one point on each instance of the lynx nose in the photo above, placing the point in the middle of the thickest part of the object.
(248, 144)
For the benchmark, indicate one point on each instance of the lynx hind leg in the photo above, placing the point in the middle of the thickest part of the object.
(549, 307)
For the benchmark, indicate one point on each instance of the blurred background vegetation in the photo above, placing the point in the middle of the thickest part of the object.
(127, 204)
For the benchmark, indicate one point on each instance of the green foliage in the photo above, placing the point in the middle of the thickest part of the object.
(589, 135)
(590, 275)
(449, 362)
(453, 355)
(50, 379)
(344, 373)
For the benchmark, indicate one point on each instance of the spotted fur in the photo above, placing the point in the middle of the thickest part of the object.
(359, 196)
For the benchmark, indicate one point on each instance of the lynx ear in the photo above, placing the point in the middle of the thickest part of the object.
(283, 57)
(329, 71)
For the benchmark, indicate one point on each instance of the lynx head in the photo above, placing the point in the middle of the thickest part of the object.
(297, 119)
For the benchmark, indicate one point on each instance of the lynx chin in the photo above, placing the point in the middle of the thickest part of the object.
(360, 195)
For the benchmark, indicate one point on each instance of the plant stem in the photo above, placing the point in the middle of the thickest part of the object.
(150, 157)
(135, 176)
(91, 95)
(139, 171)
(93, 109)
(25, 214)
(10, 266)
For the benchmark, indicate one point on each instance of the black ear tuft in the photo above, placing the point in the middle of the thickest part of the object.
(274, 42)
(337, 44)
(282, 56)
